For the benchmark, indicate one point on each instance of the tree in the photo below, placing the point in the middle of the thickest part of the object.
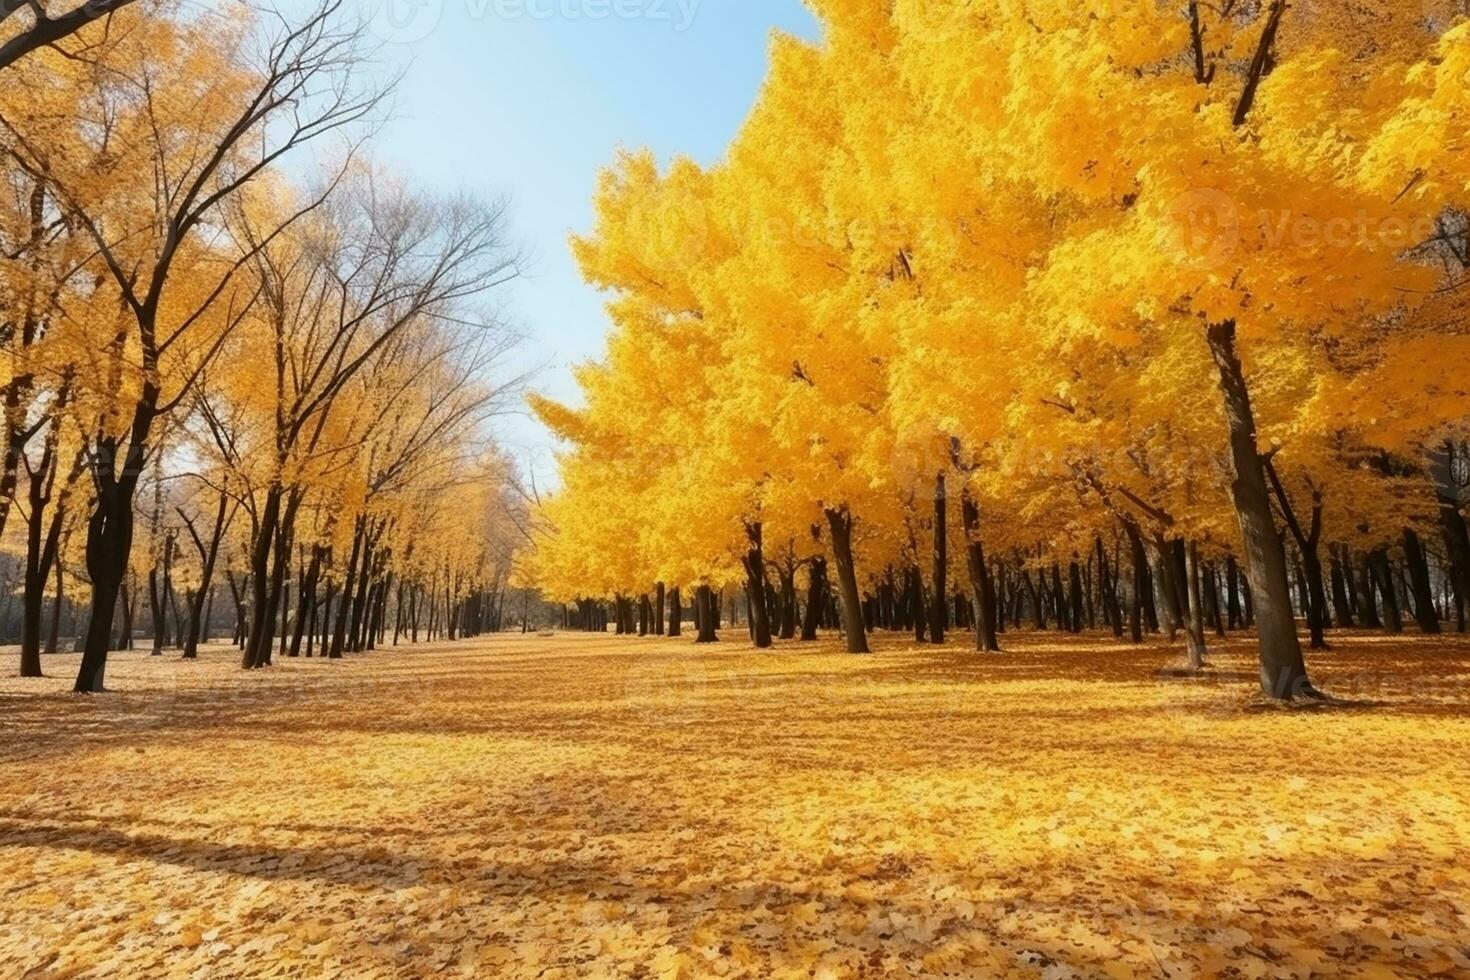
(336, 294)
(258, 91)
(44, 27)
(1134, 310)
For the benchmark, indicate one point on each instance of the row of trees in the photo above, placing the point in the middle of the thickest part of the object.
(1125, 307)
(226, 328)
(1113, 586)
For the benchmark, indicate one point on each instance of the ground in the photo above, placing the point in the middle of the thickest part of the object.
(594, 806)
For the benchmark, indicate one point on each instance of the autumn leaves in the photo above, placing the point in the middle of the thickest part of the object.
(563, 808)
(1039, 252)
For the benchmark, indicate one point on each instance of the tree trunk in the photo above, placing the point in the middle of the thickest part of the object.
(1088, 583)
(1180, 568)
(1139, 558)
(1112, 608)
(1061, 611)
(1136, 610)
(283, 614)
(125, 631)
(32, 602)
(1166, 584)
(208, 556)
(239, 637)
(43, 542)
(306, 599)
(169, 541)
(788, 601)
(707, 614)
(938, 602)
(916, 612)
(816, 599)
(755, 588)
(400, 611)
(1393, 620)
(1074, 594)
(1342, 607)
(676, 611)
(355, 633)
(887, 600)
(109, 543)
(1283, 671)
(258, 639)
(1195, 640)
(982, 588)
(839, 522)
(1422, 591)
(53, 641)
(1232, 599)
(158, 585)
(1452, 526)
(1309, 569)
(1212, 599)
(380, 611)
(1033, 598)
(1367, 605)
(1316, 598)
(339, 630)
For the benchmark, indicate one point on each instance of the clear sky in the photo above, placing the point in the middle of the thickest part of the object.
(531, 97)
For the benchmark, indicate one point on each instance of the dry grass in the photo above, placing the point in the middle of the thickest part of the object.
(582, 806)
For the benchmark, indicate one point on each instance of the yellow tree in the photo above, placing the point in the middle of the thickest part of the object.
(336, 291)
(1205, 195)
(184, 118)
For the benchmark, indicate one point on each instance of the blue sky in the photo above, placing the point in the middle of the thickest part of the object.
(531, 97)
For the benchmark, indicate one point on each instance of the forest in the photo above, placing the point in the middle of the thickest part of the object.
(1002, 511)
(1046, 315)
(241, 355)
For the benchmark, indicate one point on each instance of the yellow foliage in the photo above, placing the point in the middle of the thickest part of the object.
(994, 235)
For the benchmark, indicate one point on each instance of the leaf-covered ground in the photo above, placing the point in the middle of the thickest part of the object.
(579, 806)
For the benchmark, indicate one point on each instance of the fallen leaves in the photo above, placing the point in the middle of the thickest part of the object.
(536, 807)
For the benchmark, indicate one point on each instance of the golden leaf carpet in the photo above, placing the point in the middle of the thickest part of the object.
(577, 806)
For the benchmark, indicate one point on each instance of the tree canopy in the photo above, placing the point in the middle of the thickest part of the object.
(1179, 276)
